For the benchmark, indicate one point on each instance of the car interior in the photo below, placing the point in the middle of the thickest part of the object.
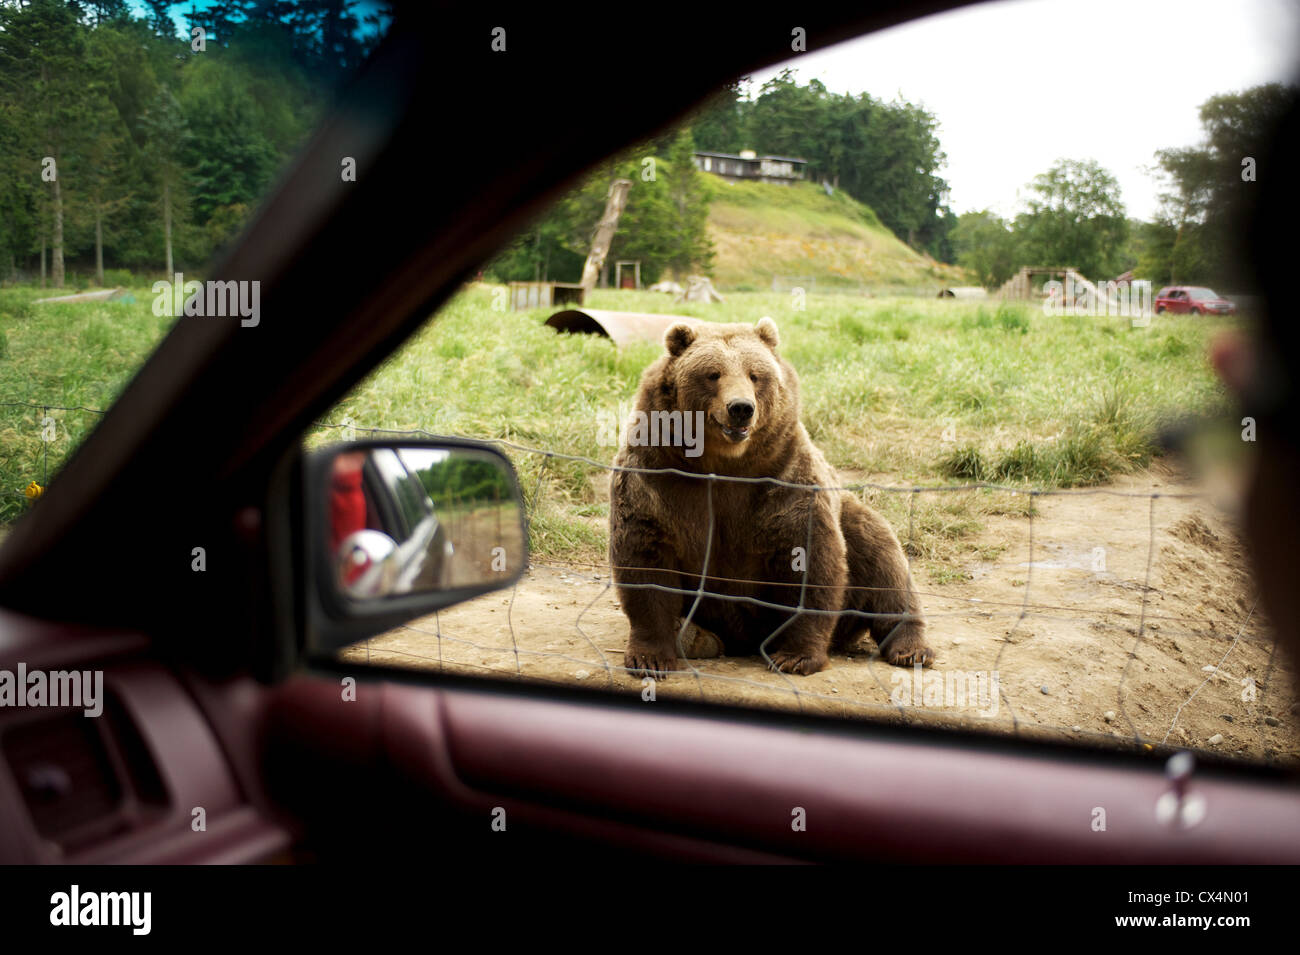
(224, 688)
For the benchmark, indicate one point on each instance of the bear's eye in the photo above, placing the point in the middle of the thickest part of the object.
(714, 375)
(753, 377)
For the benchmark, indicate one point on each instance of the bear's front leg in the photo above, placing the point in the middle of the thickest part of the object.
(651, 646)
(654, 617)
(801, 644)
(638, 551)
(881, 590)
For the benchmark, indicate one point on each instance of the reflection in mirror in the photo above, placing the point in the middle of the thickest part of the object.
(409, 520)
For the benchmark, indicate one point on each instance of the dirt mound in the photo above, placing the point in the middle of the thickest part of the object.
(1194, 530)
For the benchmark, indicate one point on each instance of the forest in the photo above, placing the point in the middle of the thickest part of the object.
(144, 143)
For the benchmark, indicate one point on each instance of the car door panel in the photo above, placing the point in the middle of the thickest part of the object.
(726, 787)
(355, 760)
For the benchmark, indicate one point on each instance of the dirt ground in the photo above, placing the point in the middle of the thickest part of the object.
(1074, 647)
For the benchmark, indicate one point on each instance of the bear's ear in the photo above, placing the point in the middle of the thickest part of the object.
(678, 338)
(766, 329)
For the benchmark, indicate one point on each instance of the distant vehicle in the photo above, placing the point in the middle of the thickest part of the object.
(1192, 299)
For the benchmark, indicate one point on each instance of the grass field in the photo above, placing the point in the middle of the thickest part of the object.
(897, 392)
(63, 356)
(901, 392)
(759, 230)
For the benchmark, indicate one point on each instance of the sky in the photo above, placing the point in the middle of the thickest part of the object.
(1018, 84)
(182, 10)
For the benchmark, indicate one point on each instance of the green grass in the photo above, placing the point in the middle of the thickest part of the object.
(760, 230)
(69, 356)
(802, 202)
(903, 392)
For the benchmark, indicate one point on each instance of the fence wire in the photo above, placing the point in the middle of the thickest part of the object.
(1021, 611)
(45, 410)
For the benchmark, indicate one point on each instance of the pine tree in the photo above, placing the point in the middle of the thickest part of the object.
(168, 135)
(692, 249)
(42, 72)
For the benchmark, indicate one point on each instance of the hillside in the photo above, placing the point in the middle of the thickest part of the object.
(796, 231)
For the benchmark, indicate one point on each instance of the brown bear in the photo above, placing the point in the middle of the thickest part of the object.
(722, 401)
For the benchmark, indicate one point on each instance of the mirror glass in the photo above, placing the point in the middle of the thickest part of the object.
(409, 520)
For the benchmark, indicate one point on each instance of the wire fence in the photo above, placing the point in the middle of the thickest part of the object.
(47, 427)
(722, 588)
(1144, 616)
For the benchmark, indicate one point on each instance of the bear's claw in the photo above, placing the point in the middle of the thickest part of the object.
(907, 650)
(643, 663)
(801, 662)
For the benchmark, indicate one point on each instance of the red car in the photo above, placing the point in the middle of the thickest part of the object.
(1193, 300)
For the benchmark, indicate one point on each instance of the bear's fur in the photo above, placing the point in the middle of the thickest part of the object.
(659, 523)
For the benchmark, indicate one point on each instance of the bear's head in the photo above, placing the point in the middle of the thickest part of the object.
(732, 374)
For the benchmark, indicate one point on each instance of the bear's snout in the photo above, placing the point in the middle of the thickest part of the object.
(740, 410)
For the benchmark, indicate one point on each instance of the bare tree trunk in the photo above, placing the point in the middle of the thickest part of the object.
(99, 247)
(56, 256)
(167, 226)
(614, 204)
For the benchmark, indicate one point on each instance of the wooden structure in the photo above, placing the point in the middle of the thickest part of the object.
(635, 266)
(525, 295)
(749, 167)
(1021, 285)
(1074, 290)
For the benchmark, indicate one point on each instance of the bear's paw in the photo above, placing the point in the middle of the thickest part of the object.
(802, 662)
(643, 662)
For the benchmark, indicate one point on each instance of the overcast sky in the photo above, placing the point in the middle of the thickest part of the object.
(1018, 84)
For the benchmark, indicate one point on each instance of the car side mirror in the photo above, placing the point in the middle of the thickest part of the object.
(398, 529)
